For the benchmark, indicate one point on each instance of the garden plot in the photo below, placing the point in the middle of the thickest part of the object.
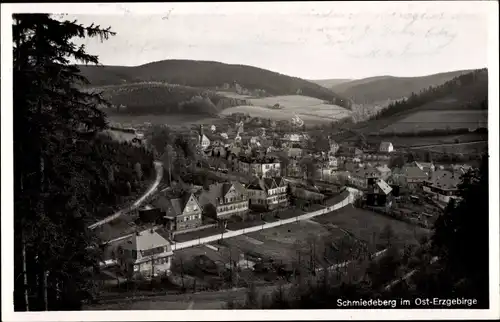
(367, 226)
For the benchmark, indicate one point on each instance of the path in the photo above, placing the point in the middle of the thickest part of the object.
(445, 144)
(138, 202)
(198, 301)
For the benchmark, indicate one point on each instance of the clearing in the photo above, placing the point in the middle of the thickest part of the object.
(308, 108)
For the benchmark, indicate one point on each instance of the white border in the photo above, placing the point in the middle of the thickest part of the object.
(223, 315)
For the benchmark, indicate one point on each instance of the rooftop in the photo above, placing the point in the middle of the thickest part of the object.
(446, 180)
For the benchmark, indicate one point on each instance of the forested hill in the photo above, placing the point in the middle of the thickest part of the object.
(383, 88)
(208, 74)
(469, 91)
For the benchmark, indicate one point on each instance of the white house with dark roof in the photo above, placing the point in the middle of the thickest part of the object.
(263, 167)
(268, 193)
(228, 198)
(362, 177)
(386, 147)
(146, 252)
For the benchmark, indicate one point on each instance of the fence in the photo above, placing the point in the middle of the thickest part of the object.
(175, 233)
(228, 234)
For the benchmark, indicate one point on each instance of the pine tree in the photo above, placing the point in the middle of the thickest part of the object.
(51, 176)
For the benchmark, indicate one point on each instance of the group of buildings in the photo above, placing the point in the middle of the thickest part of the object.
(145, 248)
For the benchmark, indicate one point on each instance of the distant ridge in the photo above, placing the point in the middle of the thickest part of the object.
(383, 88)
(209, 75)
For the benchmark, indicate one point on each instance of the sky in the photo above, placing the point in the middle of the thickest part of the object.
(309, 40)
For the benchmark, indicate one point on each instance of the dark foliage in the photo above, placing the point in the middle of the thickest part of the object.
(159, 98)
(453, 264)
(64, 170)
(207, 74)
(469, 87)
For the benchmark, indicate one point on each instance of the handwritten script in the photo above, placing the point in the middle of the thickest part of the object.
(361, 35)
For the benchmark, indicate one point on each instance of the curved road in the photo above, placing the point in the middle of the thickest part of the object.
(138, 202)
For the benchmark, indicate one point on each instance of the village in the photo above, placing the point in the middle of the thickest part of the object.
(250, 191)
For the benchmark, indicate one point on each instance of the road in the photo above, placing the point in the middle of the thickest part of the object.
(199, 301)
(444, 144)
(138, 202)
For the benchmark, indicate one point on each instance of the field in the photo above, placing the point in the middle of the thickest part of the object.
(308, 108)
(350, 225)
(170, 120)
(233, 95)
(406, 141)
(473, 147)
(367, 225)
(431, 120)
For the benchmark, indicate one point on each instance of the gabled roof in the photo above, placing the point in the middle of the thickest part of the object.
(446, 180)
(414, 172)
(386, 189)
(218, 191)
(367, 172)
(266, 183)
(173, 205)
(385, 145)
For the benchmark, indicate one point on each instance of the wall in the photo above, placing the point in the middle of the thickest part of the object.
(177, 246)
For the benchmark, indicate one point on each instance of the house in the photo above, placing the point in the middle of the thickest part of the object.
(384, 171)
(261, 167)
(386, 147)
(203, 141)
(334, 147)
(217, 151)
(427, 167)
(254, 140)
(306, 193)
(379, 193)
(362, 178)
(267, 193)
(181, 210)
(294, 169)
(443, 185)
(147, 252)
(412, 177)
(228, 199)
(295, 152)
(292, 137)
(350, 152)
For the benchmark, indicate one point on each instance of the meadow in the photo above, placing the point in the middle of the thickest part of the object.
(309, 109)
(170, 120)
(435, 119)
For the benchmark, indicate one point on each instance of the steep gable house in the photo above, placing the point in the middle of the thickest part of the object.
(183, 212)
(228, 198)
(147, 252)
(268, 193)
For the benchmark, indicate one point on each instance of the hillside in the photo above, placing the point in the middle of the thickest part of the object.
(461, 102)
(210, 75)
(383, 88)
(330, 83)
(155, 98)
